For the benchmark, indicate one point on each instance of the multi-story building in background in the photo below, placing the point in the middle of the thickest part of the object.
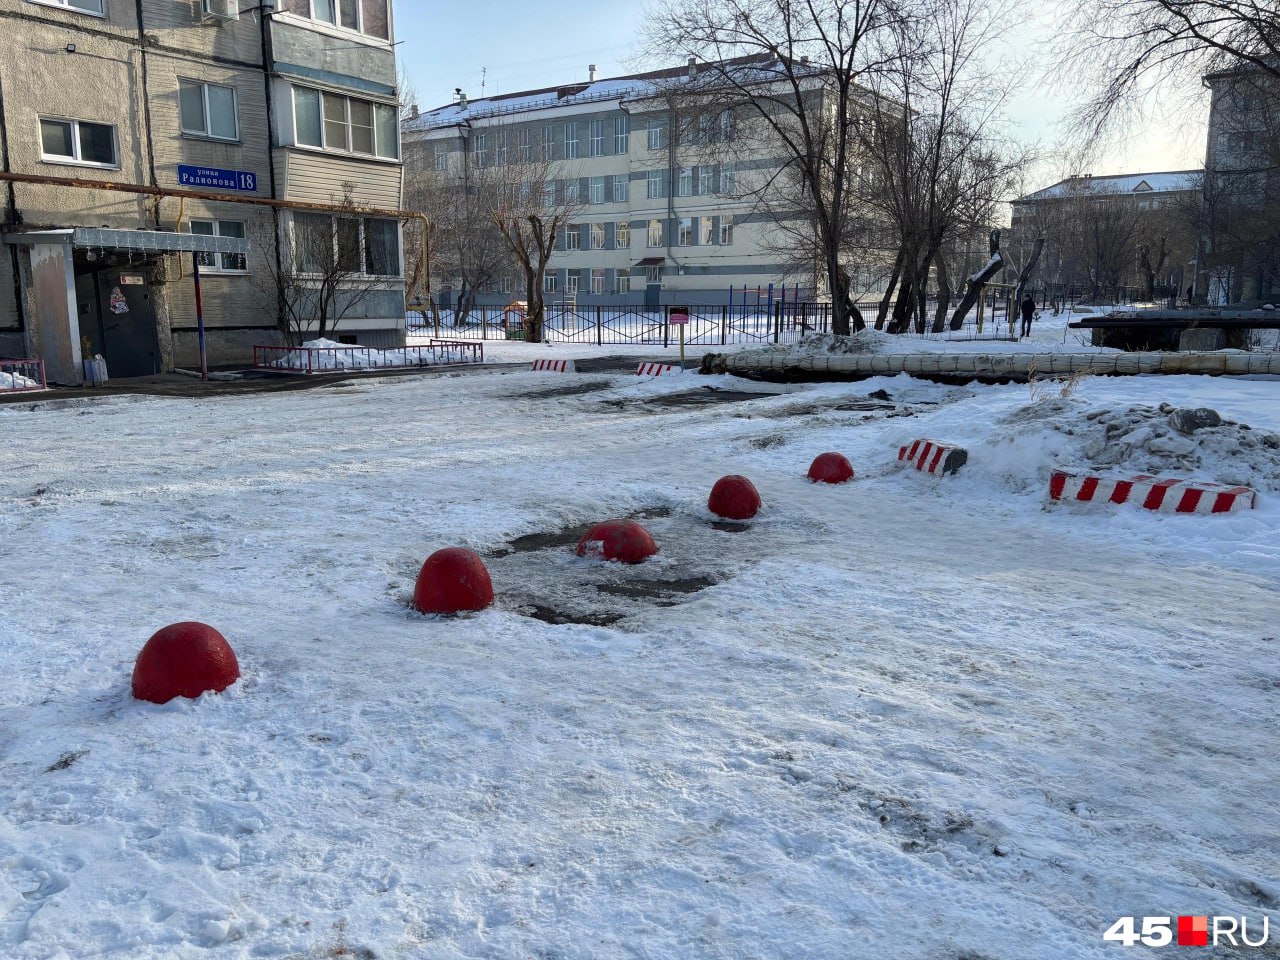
(663, 211)
(294, 102)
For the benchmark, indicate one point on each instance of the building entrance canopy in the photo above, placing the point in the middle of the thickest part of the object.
(143, 241)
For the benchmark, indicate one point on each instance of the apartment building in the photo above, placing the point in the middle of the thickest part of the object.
(242, 122)
(664, 208)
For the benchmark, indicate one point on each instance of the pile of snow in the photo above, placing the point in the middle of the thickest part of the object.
(16, 381)
(323, 354)
(1166, 441)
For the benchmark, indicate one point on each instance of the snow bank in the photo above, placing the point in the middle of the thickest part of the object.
(16, 381)
(324, 354)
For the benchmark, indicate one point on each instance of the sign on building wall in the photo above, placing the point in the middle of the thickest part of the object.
(217, 179)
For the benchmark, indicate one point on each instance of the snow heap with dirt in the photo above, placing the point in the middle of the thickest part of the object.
(324, 354)
(16, 381)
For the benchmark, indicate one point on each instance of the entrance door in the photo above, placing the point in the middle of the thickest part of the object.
(652, 296)
(127, 322)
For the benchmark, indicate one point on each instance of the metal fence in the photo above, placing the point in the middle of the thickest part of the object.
(993, 319)
(18, 376)
(334, 359)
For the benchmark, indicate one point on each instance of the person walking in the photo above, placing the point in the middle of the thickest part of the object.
(1028, 311)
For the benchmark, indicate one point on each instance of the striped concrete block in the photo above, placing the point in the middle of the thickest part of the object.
(1169, 495)
(930, 456)
(656, 369)
(555, 366)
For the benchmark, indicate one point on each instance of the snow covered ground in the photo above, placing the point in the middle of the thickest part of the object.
(916, 718)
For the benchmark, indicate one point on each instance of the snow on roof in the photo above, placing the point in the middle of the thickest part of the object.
(1136, 183)
(635, 86)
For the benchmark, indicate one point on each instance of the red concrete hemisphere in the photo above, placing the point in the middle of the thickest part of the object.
(735, 498)
(830, 468)
(453, 580)
(184, 660)
(623, 540)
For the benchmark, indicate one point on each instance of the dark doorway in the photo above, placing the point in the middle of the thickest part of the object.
(652, 296)
(117, 315)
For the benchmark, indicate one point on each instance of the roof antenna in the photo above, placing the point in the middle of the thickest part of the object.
(484, 71)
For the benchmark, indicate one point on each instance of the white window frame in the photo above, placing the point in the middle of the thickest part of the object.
(653, 274)
(595, 190)
(657, 134)
(684, 232)
(706, 179)
(336, 22)
(364, 245)
(571, 283)
(441, 157)
(345, 150)
(204, 86)
(548, 142)
(622, 281)
(75, 159)
(573, 236)
(597, 232)
(726, 230)
(621, 188)
(658, 229)
(728, 179)
(526, 145)
(707, 231)
(622, 235)
(479, 145)
(100, 10)
(622, 134)
(572, 190)
(596, 132)
(684, 185)
(655, 182)
(597, 275)
(571, 140)
(550, 282)
(221, 267)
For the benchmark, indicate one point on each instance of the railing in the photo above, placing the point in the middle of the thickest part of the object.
(19, 376)
(333, 359)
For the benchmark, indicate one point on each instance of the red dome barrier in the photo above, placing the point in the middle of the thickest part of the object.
(623, 540)
(735, 498)
(184, 660)
(830, 468)
(452, 580)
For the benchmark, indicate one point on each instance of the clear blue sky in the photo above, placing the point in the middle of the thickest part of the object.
(517, 45)
(511, 46)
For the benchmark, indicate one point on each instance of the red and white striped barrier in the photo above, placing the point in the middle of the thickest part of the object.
(656, 369)
(1167, 496)
(555, 366)
(930, 456)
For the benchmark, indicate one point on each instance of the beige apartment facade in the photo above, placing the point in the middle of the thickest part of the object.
(192, 101)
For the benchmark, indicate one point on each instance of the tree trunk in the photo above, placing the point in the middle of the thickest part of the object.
(944, 297)
(975, 290)
(902, 307)
(887, 299)
(1030, 268)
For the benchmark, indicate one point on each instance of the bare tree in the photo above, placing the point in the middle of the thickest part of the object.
(329, 265)
(533, 210)
(797, 69)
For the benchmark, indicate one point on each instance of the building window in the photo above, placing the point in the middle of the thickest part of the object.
(571, 283)
(655, 233)
(596, 148)
(571, 141)
(573, 237)
(324, 245)
(501, 148)
(655, 184)
(706, 180)
(208, 110)
(597, 190)
(347, 124)
(728, 179)
(480, 148)
(685, 183)
(78, 141)
(653, 274)
(549, 283)
(369, 17)
(597, 281)
(571, 191)
(726, 231)
(549, 196)
(706, 232)
(597, 237)
(85, 6)
(526, 147)
(726, 125)
(622, 235)
(621, 134)
(622, 282)
(441, 157)
(620, 188)
(684, 237)
(548, 142)
(219, 262)
(657, 134)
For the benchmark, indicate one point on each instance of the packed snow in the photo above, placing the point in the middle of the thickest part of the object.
(16, 381)
(907, 717)
(329, 355)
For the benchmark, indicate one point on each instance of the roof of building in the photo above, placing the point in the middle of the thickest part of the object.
(1133, 183)
(635, 86)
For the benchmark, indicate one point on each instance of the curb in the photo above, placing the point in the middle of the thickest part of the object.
(554, 366)
(1169, 495)
(930, 456)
